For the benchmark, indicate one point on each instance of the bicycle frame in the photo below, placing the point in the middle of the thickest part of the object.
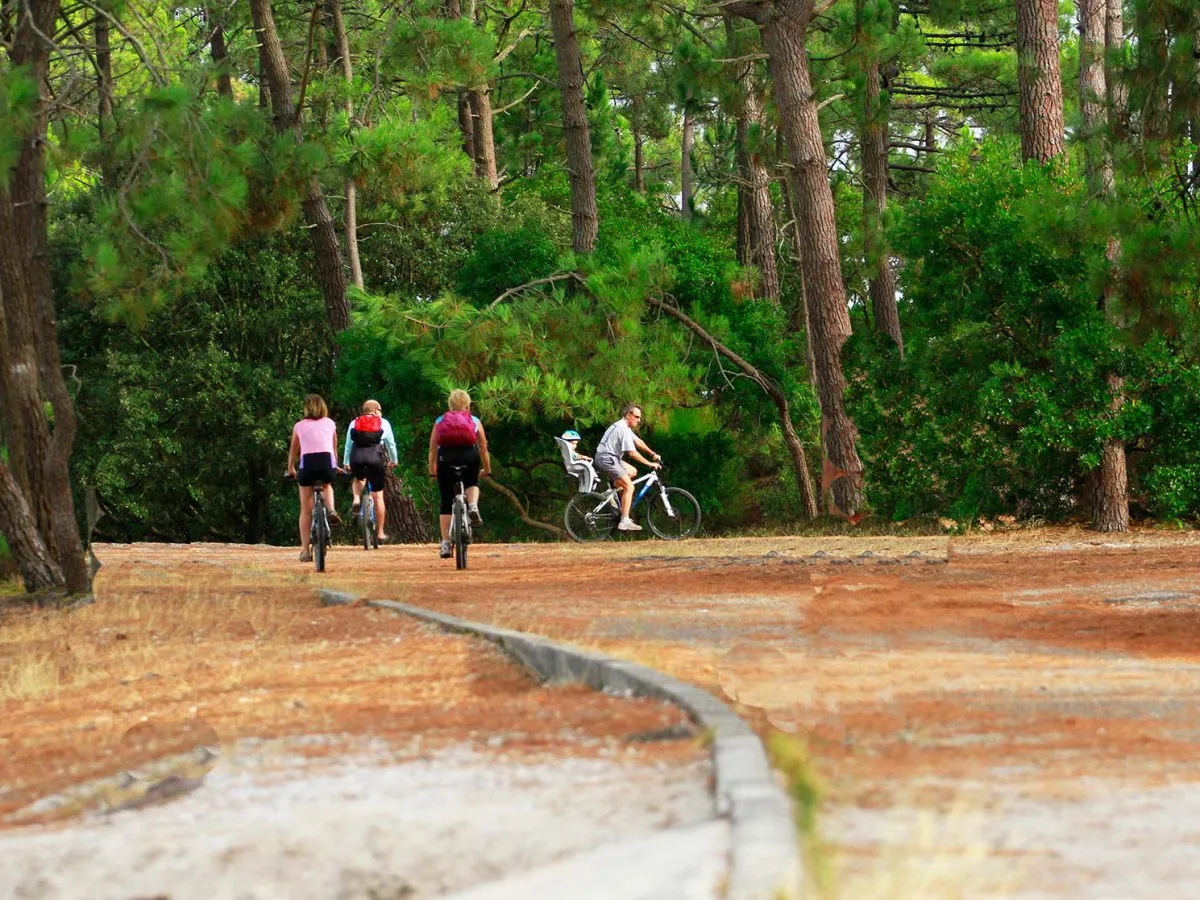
(651, 478)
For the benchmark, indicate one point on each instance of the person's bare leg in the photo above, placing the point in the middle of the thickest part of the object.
(626, 487)
(357, 487)
(329, 498)
(472, 495)
(444, 521)
(380, 513)
(306, 505)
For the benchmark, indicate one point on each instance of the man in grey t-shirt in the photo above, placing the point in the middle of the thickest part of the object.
(618, 440)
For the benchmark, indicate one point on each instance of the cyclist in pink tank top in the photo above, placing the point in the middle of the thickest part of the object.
(314, 444)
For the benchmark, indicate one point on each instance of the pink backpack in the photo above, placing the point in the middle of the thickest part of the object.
(456, 429)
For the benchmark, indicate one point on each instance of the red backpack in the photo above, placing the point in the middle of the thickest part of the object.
(366, 431)
(455, 429)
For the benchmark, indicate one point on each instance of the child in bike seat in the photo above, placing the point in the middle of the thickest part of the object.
(572, 437)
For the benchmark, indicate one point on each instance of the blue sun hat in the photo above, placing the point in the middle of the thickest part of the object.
(571, 435)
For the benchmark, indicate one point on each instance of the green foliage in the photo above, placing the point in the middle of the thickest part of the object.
(504, 259)
(1002, 403)
(187, 423)
(193, 178)
(18, 103)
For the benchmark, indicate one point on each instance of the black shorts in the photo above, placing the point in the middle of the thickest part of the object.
(316, 468)
(447, 459)
(368, 463)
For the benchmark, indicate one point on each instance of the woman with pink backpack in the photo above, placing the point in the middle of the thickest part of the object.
(458, 440)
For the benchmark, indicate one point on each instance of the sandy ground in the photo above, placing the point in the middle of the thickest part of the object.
(270, 823)
(206, 729)
(1014, 716)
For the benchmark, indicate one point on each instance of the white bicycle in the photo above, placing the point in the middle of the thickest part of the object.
(671, 512)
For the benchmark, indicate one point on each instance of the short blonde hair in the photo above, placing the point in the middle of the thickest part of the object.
(314, 407)
(371, 406)
(459, 400)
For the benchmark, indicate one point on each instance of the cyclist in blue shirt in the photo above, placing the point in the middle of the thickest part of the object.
(370, 451)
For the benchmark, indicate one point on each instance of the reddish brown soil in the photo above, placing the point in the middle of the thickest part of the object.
(1014, 666)
(206, 645)
(1020, 667)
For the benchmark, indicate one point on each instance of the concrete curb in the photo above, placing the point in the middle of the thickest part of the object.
(765, 859)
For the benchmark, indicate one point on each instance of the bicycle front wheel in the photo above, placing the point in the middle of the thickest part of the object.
(458, 526)
(591, 517)
(681, 519)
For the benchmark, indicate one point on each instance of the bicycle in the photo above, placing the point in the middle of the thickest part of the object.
(366, 516)
(460, 522)
(320, 534)
(672, 514)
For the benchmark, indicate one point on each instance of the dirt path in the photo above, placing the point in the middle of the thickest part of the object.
(1020, 720)
(205, 729)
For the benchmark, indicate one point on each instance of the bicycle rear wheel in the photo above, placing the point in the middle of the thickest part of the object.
(458, 529)
(320, 536)
(683, 519)
(590, 517)
(366, 514)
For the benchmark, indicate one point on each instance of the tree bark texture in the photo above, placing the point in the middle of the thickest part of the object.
(480, 100)
(466, 123)
(220, 55)
(875, 183)
(475, 113)
(104, 77)
(1110, 497)
(687, 139)
(1114, 81)
(327, 250)
(784, 31)
(39, 571)
(404, 523)
(350, 214)
(580, 172)
(1039, 80)
(754, 194)
(1110, 494)
(34, 374)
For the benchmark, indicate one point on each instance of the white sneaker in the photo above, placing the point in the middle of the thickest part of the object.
(628, 524)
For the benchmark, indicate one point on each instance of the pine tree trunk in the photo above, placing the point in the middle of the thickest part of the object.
(1110, 495)
(745, 256)
(1039, 80)
(327, 249)
(685, 163)
(34, 368)
(575, 124)
(784, 32)
(1114, 82)
(466, 124)
(220, 55)
(798, 313)
(484, 143)
(404, 524)
(39, 571)
(104, 77)
(756, 196)
(875, 183)
(264, 90)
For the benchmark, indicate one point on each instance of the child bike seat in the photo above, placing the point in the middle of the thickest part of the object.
(579, 468)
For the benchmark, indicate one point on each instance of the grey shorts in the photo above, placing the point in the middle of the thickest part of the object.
(609, 466)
